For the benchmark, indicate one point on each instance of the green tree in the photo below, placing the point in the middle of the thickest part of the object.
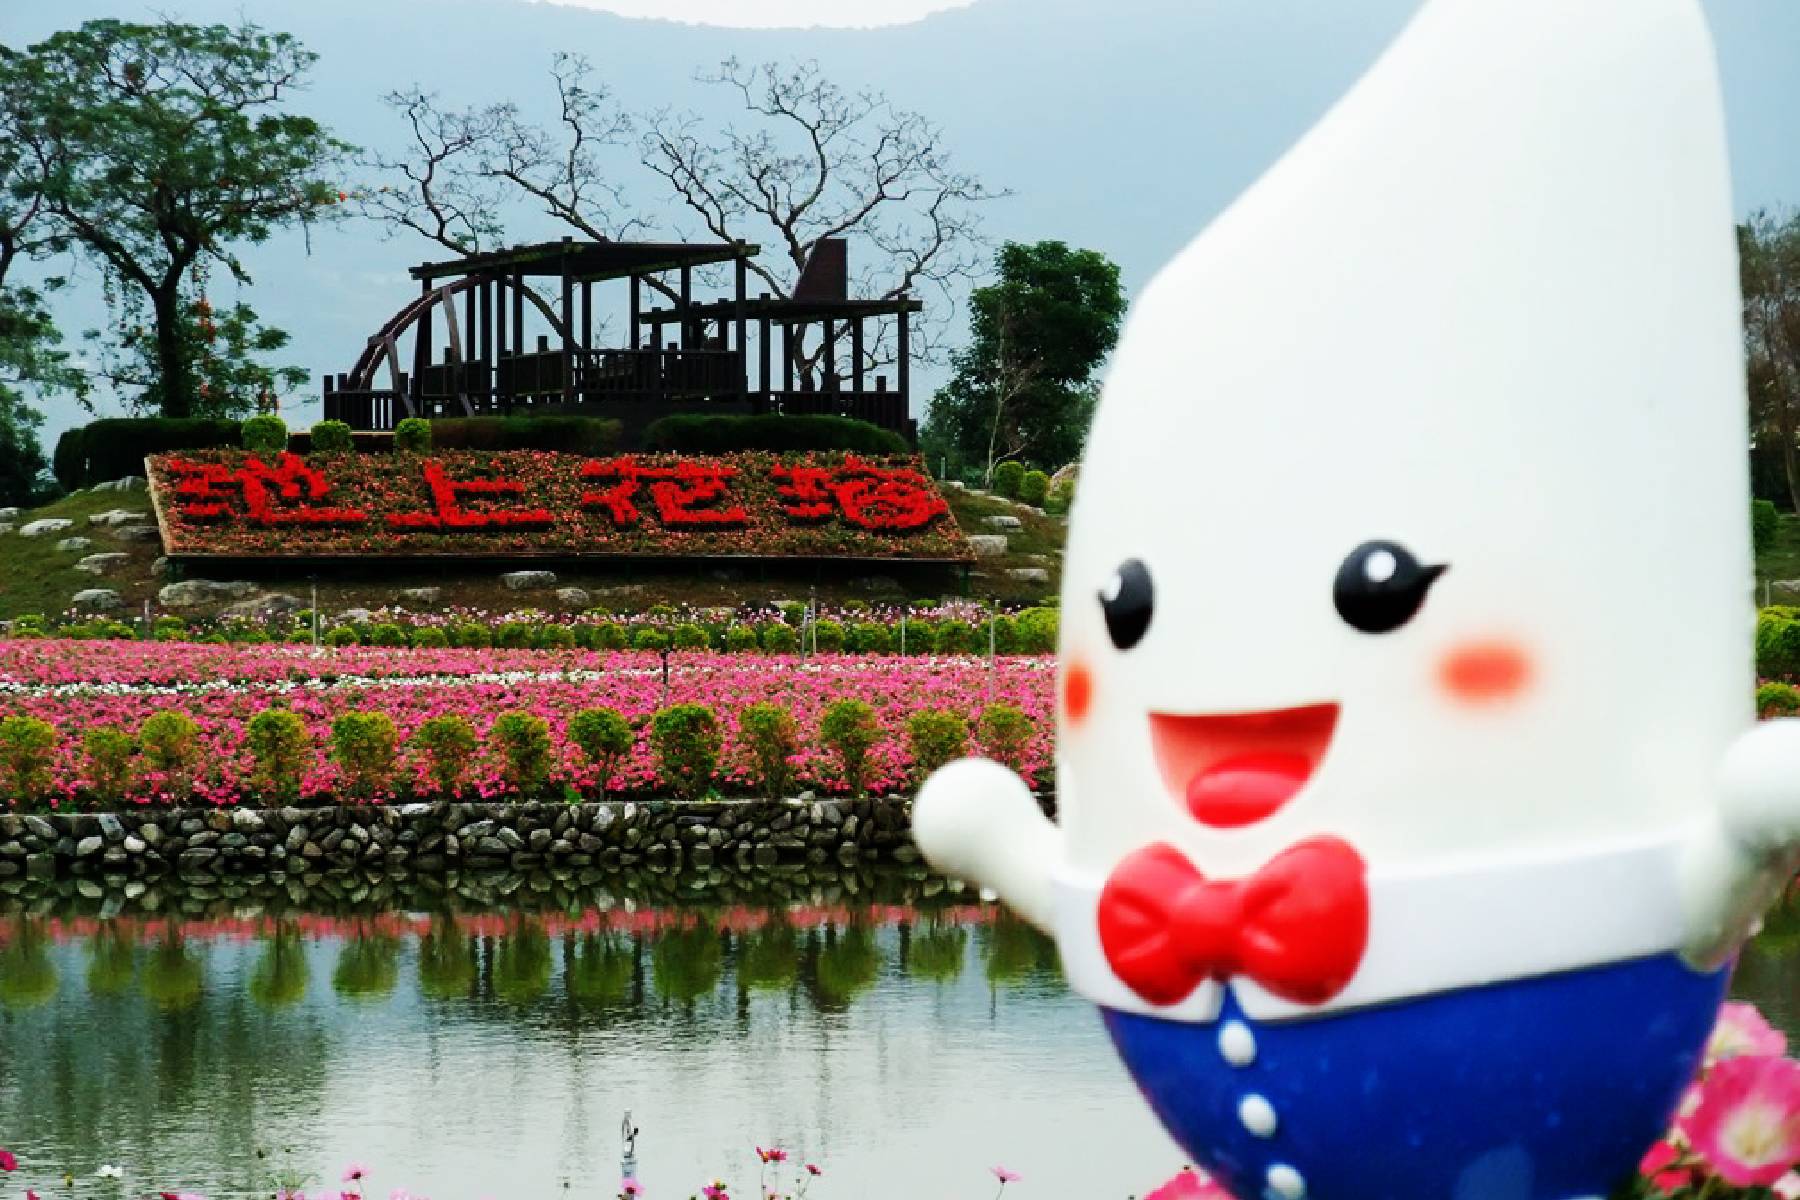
(1769, 254)
(1023, 389)
(222, 349)
(161, 148)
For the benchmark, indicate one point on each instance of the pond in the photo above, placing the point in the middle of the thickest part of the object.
(486, 1042)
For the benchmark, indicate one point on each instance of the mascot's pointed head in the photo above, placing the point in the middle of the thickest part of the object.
(1414, 509)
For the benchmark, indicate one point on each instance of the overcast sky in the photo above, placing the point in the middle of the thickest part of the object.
(775, 14)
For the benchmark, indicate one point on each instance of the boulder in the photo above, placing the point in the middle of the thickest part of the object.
(988, 545)
(73, 544)
(422, 595)
(527, 581)
(9, 514)
(1002, 521)
(97, 599)
(6, 527)
(261, 608)
(138, 533)
(129, 483)
(355, 616)
(104, 564)
(44, 527)
(1785, 590)
(1029, 574)
(191, 592)
(114, 517)
(572, 597)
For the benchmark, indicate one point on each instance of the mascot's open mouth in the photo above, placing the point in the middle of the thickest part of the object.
(1235, 769)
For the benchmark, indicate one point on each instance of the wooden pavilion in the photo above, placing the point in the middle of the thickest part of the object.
(483, 338)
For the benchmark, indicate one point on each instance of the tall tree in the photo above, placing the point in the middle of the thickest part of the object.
(1023, 388)
(1769, 253)
(165, 147)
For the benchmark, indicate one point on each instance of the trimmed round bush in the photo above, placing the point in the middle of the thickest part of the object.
(957, 637)
(1778, 642)
(471, 635)
(780, 639)
(362, 746)
(387, 634)
(1004, 732)
(866, 637)
(1005, 634)
(27, 756)
(689, 636)
(430, 637)
(413, 436)
(740, 639)
(265, 435)
(555, 637)
(281, 750)
(649, 638)
(686, 740)
(1008, 477)
(604, 737)
(170, 743)
(918, 638)
(1061, 498)
(610, 635)
(1037, 631)
(1034, 488)
(332, 437)
(849, 729)
(106, 753)
(703, 433)
(1777, 700)
(935, 736)
(514, 635)
(522, 742)
(1765, 521)
(169, 629)
(771, 739)
(343, 635)
(828, 637)
(445, 745)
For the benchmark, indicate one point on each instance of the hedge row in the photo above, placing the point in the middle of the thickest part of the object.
(371, 763)
(109, 449)
(696, 433)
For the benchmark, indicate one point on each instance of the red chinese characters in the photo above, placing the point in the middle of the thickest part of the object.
(450, 511)
(688, 495)
(882, 499)
(287, 494)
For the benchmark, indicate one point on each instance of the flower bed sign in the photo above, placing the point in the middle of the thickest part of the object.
(540, 504)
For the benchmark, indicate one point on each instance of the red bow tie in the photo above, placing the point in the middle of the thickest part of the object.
(1298, 927)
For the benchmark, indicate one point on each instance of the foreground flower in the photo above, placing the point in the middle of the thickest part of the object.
(772, 1155)
(355, 1172)
(1189, 1184)
(1747, 1124)
(180, 1196)
(1788, 1186)
(1661, 1165)
(1005, 1176)
(1743, 1032)
(714, 1191)
(629, 1187)
(8, 1162)
(814, 1170)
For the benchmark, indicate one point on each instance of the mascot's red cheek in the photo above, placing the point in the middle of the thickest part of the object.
(1077, 693)
(1485, 672)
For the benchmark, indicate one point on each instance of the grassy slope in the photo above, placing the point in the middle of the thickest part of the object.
(36, 577)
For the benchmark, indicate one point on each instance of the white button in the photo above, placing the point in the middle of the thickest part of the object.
(1237, 1044)
(1258, 1116)
(1285, 1183)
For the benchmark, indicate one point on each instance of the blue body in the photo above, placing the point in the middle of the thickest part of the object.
(1539, 1089)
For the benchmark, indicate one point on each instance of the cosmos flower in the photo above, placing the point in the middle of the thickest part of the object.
(773, 1154)
(1005, 1176)
(1747, 1124)
(1744, 1031)
(8, 1162)
(355, 1172)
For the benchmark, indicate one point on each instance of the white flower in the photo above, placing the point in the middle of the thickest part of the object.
(108, 1171)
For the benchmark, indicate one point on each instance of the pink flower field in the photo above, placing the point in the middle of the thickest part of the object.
(78, 686)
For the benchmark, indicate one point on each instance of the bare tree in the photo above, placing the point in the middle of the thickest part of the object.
(815, 161)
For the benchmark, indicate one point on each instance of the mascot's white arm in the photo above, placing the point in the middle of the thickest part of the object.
(1738, 863)
(977, 821)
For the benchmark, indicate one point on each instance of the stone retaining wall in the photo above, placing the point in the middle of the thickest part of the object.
(440, 837)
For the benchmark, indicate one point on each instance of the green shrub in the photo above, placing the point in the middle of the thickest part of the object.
(170, 743)
(957, 637)
(513, 635)
(828, 637)
(740, 639)
(1777, 643)
(471, 635)
(604, 738)
(689, 636)
(555, 637)
(936, 736)
(430, 637)
(1005, 634)
(445, 745)
(686, 741)
(332, 437)
(771, 738)
(610, 635)
(116, 446)
(387, 634)
(522, 741)
(792, 612)
(343, 635)
(1777, 700)
(780, 639)
(1008, 477)
(849, 730)
(1034, 488)
(1765, 520)
(362, 746)
(699, 433)
(649, 638)
(27, 756)
(919, 636)
(1037, 631)
(281, 750)
(575, 435)
(107, 752)
(866, 637)
(413, 436)
(169, 629)
(1061, 498)
(1004, 732)
(266, 435)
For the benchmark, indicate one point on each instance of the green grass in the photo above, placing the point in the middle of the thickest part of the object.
(36, 577)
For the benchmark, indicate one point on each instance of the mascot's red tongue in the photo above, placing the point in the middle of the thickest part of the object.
(1246, 788)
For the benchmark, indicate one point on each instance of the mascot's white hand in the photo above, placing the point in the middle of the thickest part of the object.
(1737, 867)
(977, 821)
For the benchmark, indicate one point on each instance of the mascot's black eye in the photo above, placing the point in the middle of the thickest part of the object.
(1128, 600)
(1381, 587)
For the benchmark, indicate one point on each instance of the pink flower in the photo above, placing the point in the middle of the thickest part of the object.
(1190, 1184)
(1747, 1125)
(714, 1191)
(629, 1186)
(771, 1155)
(1660, 1165)
(355, 1172)
(1005, 1176)
(1742, 1031)
(7, 1161)
(180, 1196)
(813, 1170)
(1788, 1186)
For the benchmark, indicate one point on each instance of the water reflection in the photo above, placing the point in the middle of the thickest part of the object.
(478, 1042)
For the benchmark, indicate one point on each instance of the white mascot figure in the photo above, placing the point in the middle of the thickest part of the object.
(1412, 803)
